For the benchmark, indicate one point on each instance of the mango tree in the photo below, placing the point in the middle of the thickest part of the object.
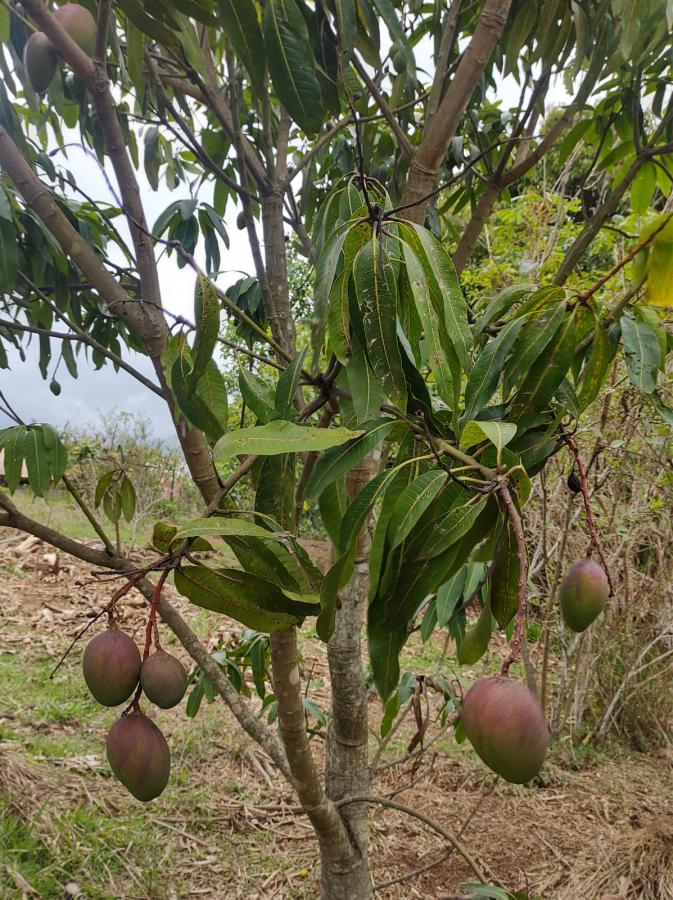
(364, 136)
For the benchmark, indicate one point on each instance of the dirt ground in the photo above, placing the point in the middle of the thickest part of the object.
(227, 827)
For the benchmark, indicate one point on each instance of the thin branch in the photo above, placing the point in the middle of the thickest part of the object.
(515, 519)
(405, 144)
(104, 9)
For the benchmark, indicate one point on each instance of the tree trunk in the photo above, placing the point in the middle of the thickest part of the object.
(347, 764)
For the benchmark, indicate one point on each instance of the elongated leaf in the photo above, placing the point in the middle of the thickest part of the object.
(14, 444)
(474, 644)
(642, 352)
(333, 502)
(454, 306)
(359, 509)
(325, 271)
(274, 494)
(239, 21)
(247, 598)
(291, 63)
(9, 256)
(544, 377)
(346, 20)
(531, 343)
(449, 595)
(340, 460)
(595, 367)
(211, 394)
(484, 377)
(217, 525)
(438, 347)
(505, 577)
(287, 387)
(452, 528)
(413, 502)
(280, 437)
(374, 278)
(207, 318)
(257, 395)
(333, 581)
(384, 645)
(338, 316)
(365, 387)
(37, 461)
(127, 498)
(57, 455)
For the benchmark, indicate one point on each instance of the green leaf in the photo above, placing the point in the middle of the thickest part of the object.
(207, 318)
(505, 577)
(642, 353)
(441, 358)
(163, 535)
(359, 509)
(334, 580)
(211, 394)
(338, 316)
(280, 437)
(256, 395)
(14, 443)
(195, 405)
(498, 433)
(291, 64)
(287, 387)
(57, 455)
(347, 20)
(596, 366)
(475, 643)
(9, 256)
(247, 598)
(239, 21)
(219, 526)
(454, 306)
(643, 187)
(127, 497)
(449, 595)
(374, 277)
(483, 379)
(337, 462)
(412, 503)
(333, 502)
(544, 377)
(451, 528)
(37, 461)
(364, 386)
(531, 343)
(384, 645)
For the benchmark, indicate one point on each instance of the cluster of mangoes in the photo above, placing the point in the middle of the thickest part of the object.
(39, 56)
(136, 749)
(503, 719)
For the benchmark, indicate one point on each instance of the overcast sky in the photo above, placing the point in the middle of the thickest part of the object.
(100, 393)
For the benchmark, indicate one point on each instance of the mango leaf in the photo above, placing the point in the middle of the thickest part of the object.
(642, 353)
(546, 374)
(247, 598)
(438, 262)
(291, 64)
(475, 643)
(505, 577)
(374, 277)
(596, 366)
(340, 460)
(127, 498)
(9, 256)
(365, 387)
(449, 595)
(338, 316)
(274, 494)
(412, 503)
(452, 528)
(57, 455)
(287, 387)
(659, 260)
(358, 511)
(384, 645)
(334, 580)
(207, 318)
(441, 357)
(531, 343)
(485, 374)
(219, 526)
(333, 502)
(13, 445)
(346, 21)
(498, 433)
(280, 437)
(211, 396)
(325, 271)
(257, 396)
(238, 19)
(37, 461)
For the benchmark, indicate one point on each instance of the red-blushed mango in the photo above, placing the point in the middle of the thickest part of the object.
(583, 593)
(80, 25)
(163, 679)
(139, 756)
(40, 60)
(111, 665)
(506, 727)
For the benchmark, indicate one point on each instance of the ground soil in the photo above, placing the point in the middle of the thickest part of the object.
(533, 839)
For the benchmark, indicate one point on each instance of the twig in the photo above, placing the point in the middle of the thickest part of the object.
(594, 543)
